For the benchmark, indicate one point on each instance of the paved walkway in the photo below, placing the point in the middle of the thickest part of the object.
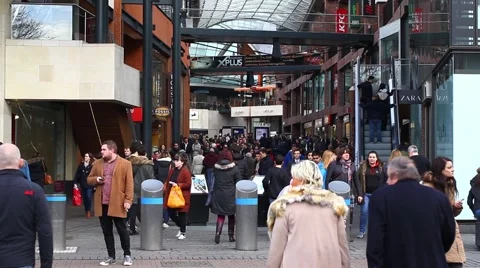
(198, 250)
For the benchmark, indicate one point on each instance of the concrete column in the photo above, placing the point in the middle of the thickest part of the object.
(5, 111)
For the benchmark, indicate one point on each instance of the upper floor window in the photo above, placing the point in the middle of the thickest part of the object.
(51, 22)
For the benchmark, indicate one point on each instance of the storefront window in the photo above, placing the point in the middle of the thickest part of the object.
(329, 88)
(347, 83)
(443, 112)
(40, 127)
(321, 92)
(308, 87)
(316, 92)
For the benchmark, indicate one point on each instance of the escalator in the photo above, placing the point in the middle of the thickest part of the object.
(95, 122)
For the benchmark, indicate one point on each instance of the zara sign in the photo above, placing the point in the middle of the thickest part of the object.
(410, 96)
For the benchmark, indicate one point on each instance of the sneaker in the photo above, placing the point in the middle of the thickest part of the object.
(127, 261)
(360, 235)
(182, 236)
(165, 225)
(178, 234)
(107, 262)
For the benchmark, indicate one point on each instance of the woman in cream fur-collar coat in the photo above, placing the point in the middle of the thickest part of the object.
(294, 220)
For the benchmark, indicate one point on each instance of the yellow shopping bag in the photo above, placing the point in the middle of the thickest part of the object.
(175, 199)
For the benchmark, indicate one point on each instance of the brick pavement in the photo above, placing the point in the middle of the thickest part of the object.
(198, 250)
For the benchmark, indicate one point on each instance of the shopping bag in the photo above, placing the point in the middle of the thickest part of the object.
(77, 197)
(176, 200)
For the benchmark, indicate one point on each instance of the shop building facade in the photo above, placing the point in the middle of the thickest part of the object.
(62, 93)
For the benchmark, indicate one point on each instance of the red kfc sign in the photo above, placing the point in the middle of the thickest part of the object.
(342, 21)
(137, 114)
(417, 25)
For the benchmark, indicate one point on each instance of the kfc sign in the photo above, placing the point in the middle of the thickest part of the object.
(417, 25)
(342, 21)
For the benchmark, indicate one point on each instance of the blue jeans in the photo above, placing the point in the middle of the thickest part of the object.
(375, 128)
(364, 213)
(477, 215)
(165, 216)
(87, 194)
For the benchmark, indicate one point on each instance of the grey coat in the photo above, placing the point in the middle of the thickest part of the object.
(226, 176)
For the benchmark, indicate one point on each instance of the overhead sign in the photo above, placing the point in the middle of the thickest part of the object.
(255, 61)
(410, 96)
(341, 21)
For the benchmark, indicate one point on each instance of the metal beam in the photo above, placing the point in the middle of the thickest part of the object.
(101, 21)
(147, 81)
(285, 69)
(177, 70)
(193, 35)
(155, 2)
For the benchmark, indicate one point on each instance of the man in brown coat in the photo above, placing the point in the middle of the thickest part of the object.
(113, 178)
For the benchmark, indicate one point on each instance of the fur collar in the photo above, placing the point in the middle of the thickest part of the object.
(35, 159)
(140, 160)
(227, 166)
(309, 194)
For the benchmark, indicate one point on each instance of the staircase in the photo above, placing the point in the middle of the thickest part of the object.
(109, 119)
(383, 149)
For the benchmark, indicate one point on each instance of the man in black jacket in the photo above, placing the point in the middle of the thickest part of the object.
(23, 216)
(377, 110)
(410, 225)
(276, 179)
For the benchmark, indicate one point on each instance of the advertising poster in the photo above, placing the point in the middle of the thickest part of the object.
(259, 132)
(199, 185)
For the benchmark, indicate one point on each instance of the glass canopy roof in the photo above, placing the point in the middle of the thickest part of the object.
(289, 14)
(266, 15)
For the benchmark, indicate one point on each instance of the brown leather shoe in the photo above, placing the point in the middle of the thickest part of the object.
(89, 215)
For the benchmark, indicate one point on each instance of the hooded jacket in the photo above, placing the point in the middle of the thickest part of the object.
(223, 198)
(161, 168)
(142, 170)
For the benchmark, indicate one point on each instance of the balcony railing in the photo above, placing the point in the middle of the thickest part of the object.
(52, 22)
(233, 103)
(280, 21)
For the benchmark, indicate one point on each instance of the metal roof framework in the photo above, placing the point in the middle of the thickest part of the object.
(285, 13)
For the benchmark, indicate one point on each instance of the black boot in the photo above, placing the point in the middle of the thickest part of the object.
(231, 229)
(218, 232)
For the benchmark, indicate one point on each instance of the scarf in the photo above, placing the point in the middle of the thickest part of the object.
(306, 193)
(372, 167)
(346, 168)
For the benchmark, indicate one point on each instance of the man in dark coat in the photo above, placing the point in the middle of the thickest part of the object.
(367, 90)
(410, 225)
(24, 215)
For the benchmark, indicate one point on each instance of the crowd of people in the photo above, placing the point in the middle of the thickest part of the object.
(407, 204)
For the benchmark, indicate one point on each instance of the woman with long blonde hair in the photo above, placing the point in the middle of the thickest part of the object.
(327, 157)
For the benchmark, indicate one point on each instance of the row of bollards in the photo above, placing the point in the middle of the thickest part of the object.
(151, 205)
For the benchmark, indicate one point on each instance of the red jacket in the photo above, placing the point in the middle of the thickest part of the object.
(184, 180)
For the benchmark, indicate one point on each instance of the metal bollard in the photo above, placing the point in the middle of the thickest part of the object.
(343, 189)
(247, 213)
(477, 234)
(57, 206)
(151, 203)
